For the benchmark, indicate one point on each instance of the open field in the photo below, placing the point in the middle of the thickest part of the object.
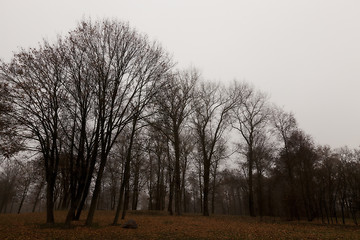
(158, 226)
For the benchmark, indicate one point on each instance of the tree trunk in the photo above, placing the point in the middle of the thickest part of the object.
(97, 190)
(50, 200)
(162, 191)
(260, 195)
(88, 180)
(342, 211)
(171, 194)
(183, 190)
(158, 185)
(126, 178)
(23, 198)
(126, 201)
(135, 194)
(214, 188)
(135, 199)
(37, 196)
(251, 193)
(200, 190)
(177, 172)
(213, 194)
(121, 194)
(89, 171)
(206, 187)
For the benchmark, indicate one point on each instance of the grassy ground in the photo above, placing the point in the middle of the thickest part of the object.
(159, 226)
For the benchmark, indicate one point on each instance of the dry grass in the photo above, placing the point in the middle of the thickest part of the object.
(153, 225)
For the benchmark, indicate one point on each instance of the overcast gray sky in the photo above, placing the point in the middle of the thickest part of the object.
(305, 54)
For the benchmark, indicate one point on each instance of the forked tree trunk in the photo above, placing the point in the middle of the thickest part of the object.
(97, 190)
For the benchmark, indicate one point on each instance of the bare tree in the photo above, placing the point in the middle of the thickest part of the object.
(284, 125)
(327, 176)
(187, 148)
(263, 152)
(304, 159)
(173, 106)
(38, 95)
(211, 117)
(82, 128)
(219, 155)
(126, 67)
(348, 178)
(251, 116)
(156, 148)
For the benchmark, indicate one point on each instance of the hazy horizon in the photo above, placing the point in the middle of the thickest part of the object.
(304, 54)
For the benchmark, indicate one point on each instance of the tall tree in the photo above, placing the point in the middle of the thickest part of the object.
(125, 66)
(37, 77)
(173, 107)
(82, 127)
(219, 154)
(212, 107)
(263, 158)
(303, 160)
(284, 125)
(157, 153)
(251, 116)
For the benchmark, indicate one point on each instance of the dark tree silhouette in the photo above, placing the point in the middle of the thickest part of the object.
(212, 106)
(37, 78)
(251, 116)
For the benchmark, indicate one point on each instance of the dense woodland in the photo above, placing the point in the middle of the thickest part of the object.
(102, 119)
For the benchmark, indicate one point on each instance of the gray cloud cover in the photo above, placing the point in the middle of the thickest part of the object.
(305, 54)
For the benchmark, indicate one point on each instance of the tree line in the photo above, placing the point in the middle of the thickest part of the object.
(102, 119)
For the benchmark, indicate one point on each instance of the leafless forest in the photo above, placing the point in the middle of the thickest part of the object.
(102, 118)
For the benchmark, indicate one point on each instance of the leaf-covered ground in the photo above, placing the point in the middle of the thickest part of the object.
(159, 226)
